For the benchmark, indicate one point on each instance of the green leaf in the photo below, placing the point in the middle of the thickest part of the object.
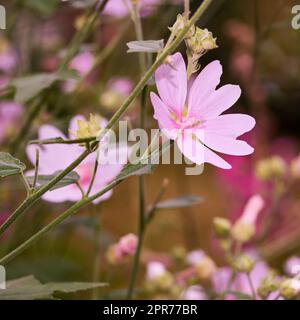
(181, 202)
(70, 178)
(9, 165)
(29, 288)
(29, 86)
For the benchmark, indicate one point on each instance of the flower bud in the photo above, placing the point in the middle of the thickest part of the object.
(290, 288)
(222, 227)
(87, 129)
(268, 285)
(270, 168)
(243, 263)
(243, 231)
(128, 244)
(201, 41)
(244, 228)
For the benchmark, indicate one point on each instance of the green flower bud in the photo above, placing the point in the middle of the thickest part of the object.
(222, 227)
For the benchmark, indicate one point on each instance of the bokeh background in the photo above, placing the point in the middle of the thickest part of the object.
(259, 50)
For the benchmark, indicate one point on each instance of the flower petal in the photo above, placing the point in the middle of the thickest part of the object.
(219, 101)
(227, 145)
(171, 82)
(205, 83)
(198, 153)
(161, 113)
(230, 125)
(69, 193)
(191, 147)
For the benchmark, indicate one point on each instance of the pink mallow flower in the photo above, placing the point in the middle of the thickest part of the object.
(241, 283)
(192, 114)
(82, 63)
(10, 114)
(195, 292)
(119, 251)
(292, 266)
(55, 157)
(121, 8)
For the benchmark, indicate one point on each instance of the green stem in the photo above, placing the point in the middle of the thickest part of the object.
(38, 103)
(96, 165)
(27, 203)
(96, 266)
(136, 91)
(71, 211)
(251, 286)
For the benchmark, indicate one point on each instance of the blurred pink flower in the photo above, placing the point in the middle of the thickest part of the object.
(120, 85)
(253, 207)
(10, 114)
(57, 157)
(128, 244)
(292, 266)
(195, 293)
(121, 8)
(192, 115)
(82, 63)
(124, 248)
(241, 283)
(155, 270)
(195, 256)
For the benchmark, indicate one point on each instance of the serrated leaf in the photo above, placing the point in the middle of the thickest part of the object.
(9, 165)
(70, 178)
(29, 288)
(151, 46)
(180, 202)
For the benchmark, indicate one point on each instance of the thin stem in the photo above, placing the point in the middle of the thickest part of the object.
(136, 91)
(26, 184)
(38, 103)
(96, 165)
(251, 286)
(139, 35)
(27, 203)
(186, 8)
(71, 211)
(96, 267)
(36, 171)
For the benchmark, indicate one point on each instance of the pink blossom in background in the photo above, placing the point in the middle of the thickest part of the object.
(10, 115)
(195, 256)
(193, 116)
(155, 270)
(124, 248)
(253, 207)
(121, 8)
(241, 283)
(195, 293)
(292, 266)
(83, 64)
(128, 244)
(57, 157)
(121, 85)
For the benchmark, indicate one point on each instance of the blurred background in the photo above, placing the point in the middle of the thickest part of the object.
(259, 50)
